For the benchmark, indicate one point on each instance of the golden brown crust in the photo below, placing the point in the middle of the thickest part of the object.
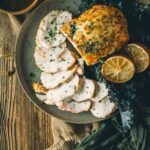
(39, 88)
(98, 32)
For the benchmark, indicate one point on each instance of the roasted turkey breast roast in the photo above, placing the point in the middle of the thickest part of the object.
(97, 32)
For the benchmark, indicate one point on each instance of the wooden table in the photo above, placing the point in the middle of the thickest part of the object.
(22, 125)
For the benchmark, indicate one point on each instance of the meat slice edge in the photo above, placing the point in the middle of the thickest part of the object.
(103, 108)
(63, 91)
(86, 91)
(73, 106)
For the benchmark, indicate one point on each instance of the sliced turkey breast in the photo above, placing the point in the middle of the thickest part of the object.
(79, 65)
(51, 81)
(77, 68)
(103, 108)
(63, 91)
(41, 97)
(73, 106)
(86, 91)
(101, 92)
(49, 19)
(81, 62)
(53, 54)
(59, 59)
(39, 59)
(63, 18)
(45, 33)
(80, 69)
(66, 61)
(48, 34)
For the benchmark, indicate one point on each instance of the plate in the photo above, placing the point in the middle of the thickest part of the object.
(25, 64)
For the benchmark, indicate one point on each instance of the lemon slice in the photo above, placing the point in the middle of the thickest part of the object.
(118, 69)
(139, 54)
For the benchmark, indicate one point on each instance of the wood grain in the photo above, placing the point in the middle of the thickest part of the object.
(22, 125)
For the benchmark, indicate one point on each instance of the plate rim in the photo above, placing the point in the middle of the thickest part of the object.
(23, 83)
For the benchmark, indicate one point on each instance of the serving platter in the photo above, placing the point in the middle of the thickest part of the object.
(28, 72)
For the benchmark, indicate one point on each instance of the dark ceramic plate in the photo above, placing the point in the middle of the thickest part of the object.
(25, 61)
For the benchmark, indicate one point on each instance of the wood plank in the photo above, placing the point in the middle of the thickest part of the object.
(22, 125)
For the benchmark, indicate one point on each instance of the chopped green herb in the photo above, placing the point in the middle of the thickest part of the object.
(63, 59)
(53, 21)
(73, 28)
(52, 33)
(91, 46)
(55, 27)
(46, 38)
(51, 60)
(81, 46)
(91, 23)
(88, 32)
(32, 75)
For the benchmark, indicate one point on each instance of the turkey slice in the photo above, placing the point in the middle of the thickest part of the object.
(81, 62)
(53, 54)
(49, 19)
(80, 69)
(63, 18)
(61, 59)
(103, 108)
(86, 91)
(51, 81)
(41, 97)
(48, 34)
(101, 92)
(66, 61)
(63, 91)
(44, 38)
(77, 68)
(73, 106)
(39, 59)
